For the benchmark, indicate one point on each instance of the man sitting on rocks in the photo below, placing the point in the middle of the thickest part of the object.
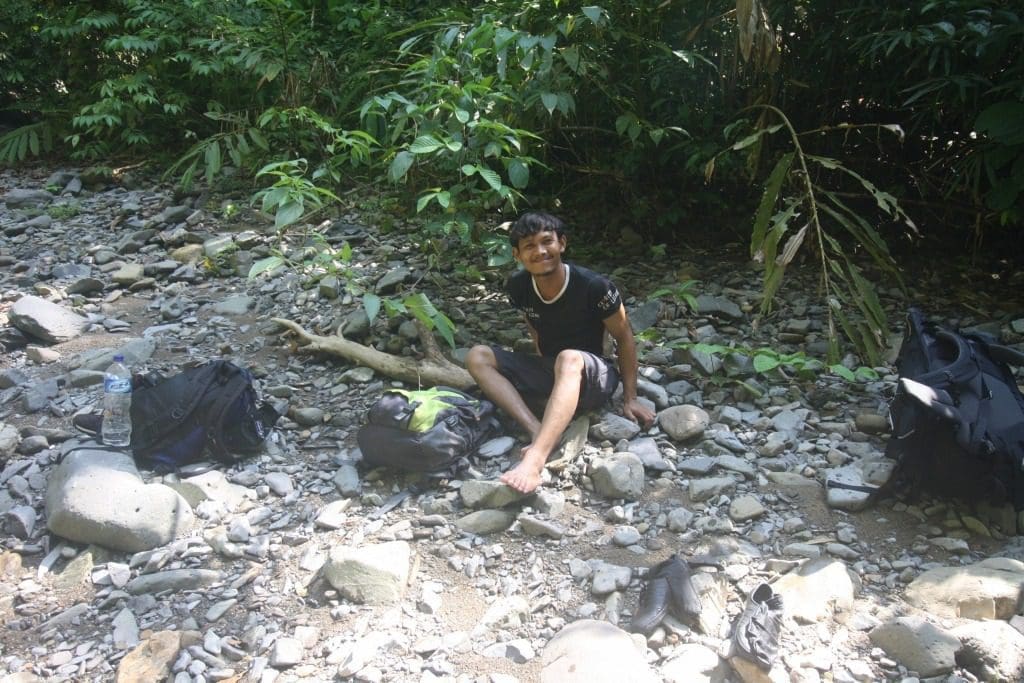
(567, 309)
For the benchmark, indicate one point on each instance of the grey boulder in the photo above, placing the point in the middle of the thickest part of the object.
(46, 320)
(19, 198)
(97, 496)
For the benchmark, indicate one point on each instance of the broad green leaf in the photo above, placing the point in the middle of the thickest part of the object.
(273, 197)
(444, 198)
(288, 212)
(425, 144)
(768, 200)
(519, 174)
(394, 307)
(764, 363)
(772, 282)
(550, 101)
(490, 177)
(842, 371)
(868, 302)
(453, 145)
(424, 199)
(571, 55)
(1002, 122)
(371, 304)
(462, 116)
(622, 122)
(566, 104)
(259, 140)
(593, 13)
(754, 137)
(867, 374)
(421, 307)
(265, 265)
(400, 166)
(212, 161)
(445, 327)
(468, 169)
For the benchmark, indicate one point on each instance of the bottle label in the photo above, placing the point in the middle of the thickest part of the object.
(117, 385)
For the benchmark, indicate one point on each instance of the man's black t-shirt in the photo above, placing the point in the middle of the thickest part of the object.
(572, 320)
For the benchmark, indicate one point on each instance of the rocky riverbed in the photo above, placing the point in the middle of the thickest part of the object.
(300, 565)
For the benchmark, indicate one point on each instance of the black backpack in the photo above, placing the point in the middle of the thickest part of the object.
(210, 407)
(424, 431)
(958, 416)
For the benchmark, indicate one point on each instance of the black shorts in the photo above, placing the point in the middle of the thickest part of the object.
(534, 377)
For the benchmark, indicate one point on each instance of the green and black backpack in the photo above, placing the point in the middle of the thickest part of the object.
(426, 431)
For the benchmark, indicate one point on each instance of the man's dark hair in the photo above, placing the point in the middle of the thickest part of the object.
(531, 223)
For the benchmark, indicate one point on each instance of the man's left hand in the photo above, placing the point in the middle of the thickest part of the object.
(638, 412)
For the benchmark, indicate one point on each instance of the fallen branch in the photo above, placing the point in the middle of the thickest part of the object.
(432, 370)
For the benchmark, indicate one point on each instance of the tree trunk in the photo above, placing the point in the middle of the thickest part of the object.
(434, 369)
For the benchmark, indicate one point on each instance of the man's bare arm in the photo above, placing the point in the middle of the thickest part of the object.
(621, 331)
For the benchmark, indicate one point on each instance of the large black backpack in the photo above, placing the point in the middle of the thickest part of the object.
(425, 431)
(209, 408)
(958, 416)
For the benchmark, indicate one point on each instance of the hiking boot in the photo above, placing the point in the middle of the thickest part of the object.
(653, 603)
(684, 602)
(89, 423)
(756, 634)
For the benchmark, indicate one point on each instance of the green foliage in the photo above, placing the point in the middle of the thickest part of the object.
(292, 196)
(769, 362)
(678, 292)
(61, 212)
(34, 139)
(831, 224)
(953, 71)
(475, 108)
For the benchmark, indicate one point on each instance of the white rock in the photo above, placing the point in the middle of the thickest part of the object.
(286, 652)
(917, 644)
(370, 575)
(818, 589)
(589, 651)
(990, 589)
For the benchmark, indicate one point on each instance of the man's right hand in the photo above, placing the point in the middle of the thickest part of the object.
(638, 412)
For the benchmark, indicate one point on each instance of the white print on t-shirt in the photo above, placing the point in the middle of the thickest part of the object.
(610, 300)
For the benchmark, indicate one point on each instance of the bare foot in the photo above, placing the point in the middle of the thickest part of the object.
(525, 477)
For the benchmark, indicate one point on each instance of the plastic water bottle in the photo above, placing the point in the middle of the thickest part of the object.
(117, 405)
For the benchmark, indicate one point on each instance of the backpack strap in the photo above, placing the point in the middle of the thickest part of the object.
(960, 371)
(233, 388)
(1004, 354)
(191, 399)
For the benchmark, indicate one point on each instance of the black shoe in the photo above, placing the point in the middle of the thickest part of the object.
(653, 603)
(684, 602)
(756, 635)
(89, 423)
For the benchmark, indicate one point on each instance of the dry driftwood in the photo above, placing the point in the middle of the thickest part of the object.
(432, 370)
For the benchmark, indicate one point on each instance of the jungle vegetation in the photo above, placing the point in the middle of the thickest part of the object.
(848, 130)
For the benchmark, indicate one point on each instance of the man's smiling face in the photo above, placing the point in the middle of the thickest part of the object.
(540, 253)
